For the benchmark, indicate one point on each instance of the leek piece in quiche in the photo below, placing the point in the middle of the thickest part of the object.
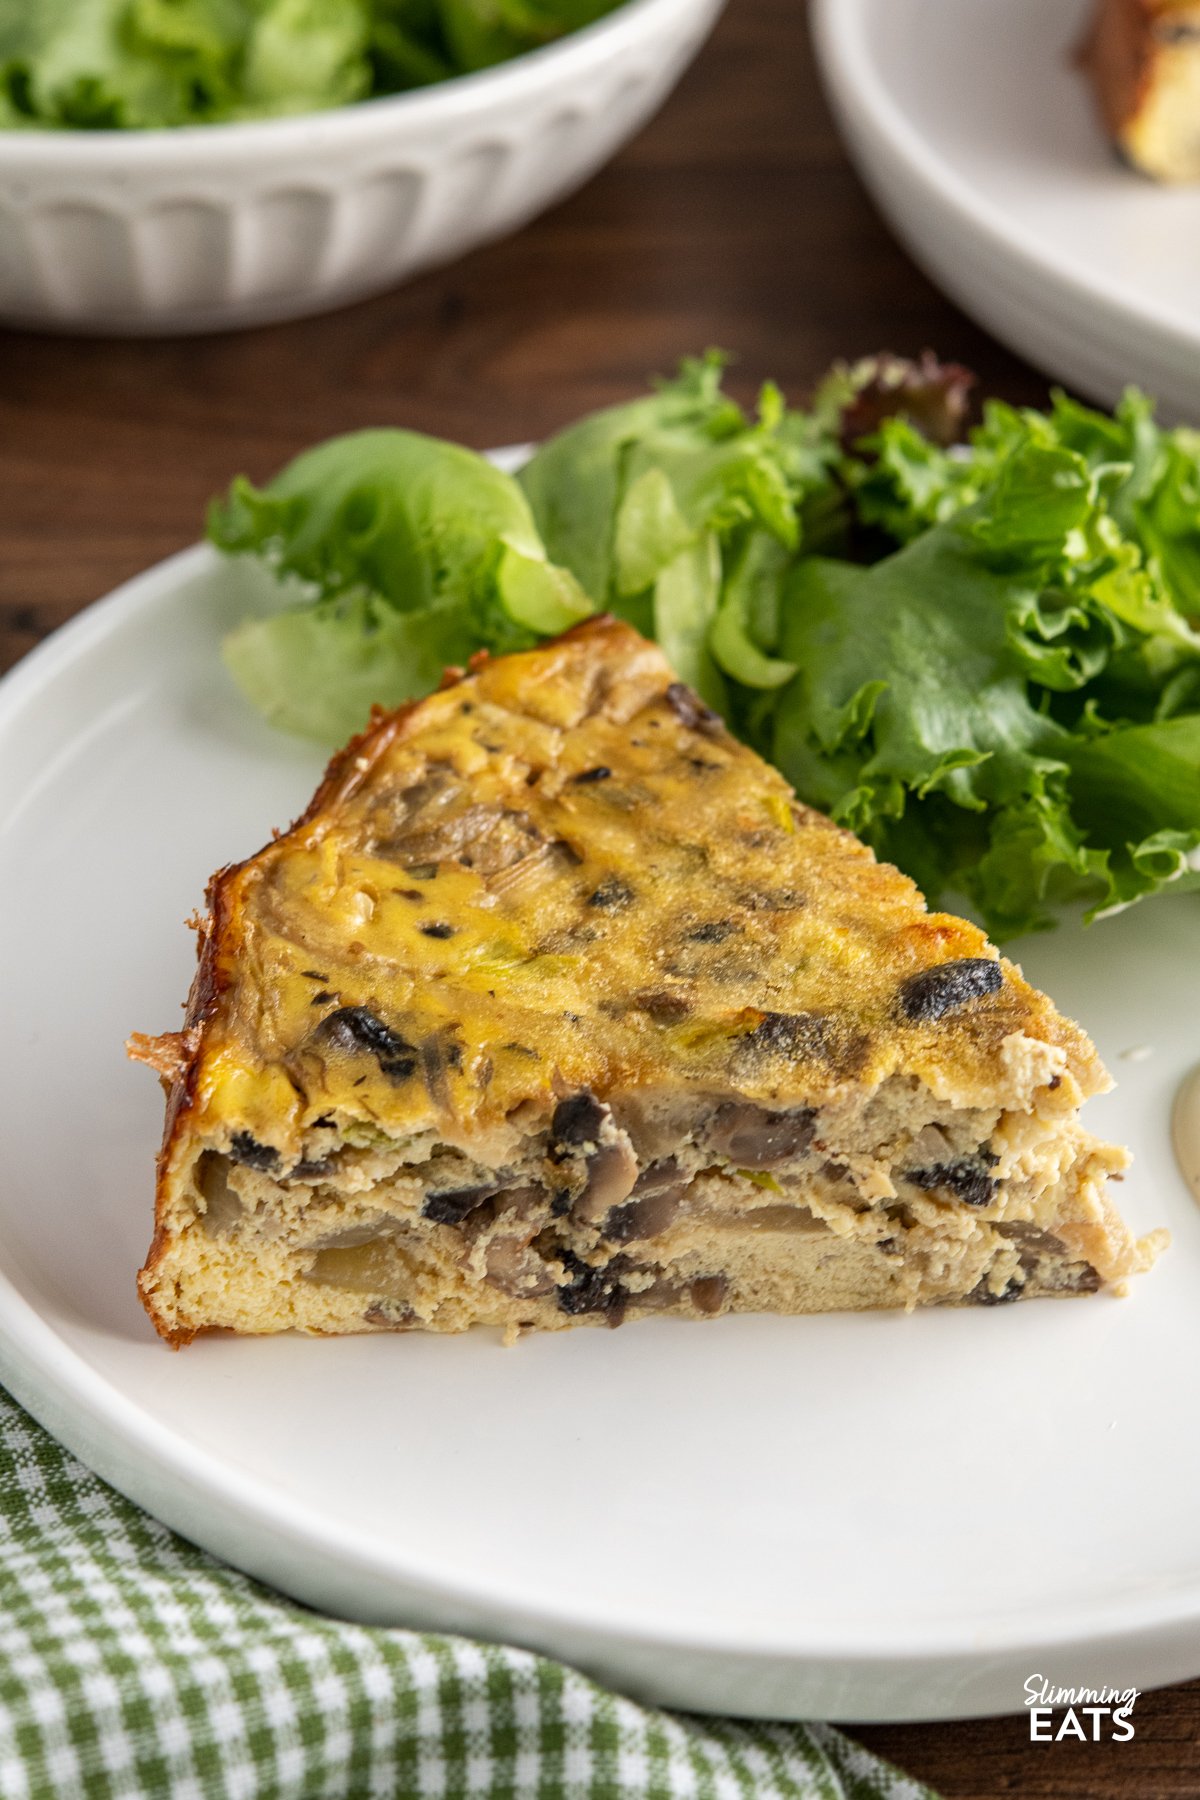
(557, 1008)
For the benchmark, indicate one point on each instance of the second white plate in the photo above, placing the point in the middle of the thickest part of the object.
(864, 1517)
(977, 134)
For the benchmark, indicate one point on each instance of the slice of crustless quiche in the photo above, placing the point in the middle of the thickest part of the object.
(557, 1008)
(1144, 60)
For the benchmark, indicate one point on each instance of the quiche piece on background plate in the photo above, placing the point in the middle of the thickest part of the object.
(556, 1008)
(1143, 57)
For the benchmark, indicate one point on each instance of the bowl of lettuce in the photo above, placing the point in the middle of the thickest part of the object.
(976, 645)
(198, 165)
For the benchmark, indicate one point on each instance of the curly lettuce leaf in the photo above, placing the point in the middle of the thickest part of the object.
(1137, 791)
(407, 47)
(925, 710)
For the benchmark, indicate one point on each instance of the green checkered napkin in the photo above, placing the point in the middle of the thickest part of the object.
(133, 1664)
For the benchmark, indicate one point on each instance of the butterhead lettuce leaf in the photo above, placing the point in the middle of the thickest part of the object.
(414, 554)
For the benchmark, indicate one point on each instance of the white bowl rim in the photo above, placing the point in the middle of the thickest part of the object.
(841, 36)
(458, 96)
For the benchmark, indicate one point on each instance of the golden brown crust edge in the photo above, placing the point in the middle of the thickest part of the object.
(181, 1051)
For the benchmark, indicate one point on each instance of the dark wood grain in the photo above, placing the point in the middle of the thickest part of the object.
(990, 1759)
(736, 220)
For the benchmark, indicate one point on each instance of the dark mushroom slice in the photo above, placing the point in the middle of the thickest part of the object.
(251, 1154)
(653, 1204)
(577, 1123)
(1046, 1258)
(312, 1168)
(982, 1295)
(589, 1289)
(691, 711)
(612, 894)
(648, 1217)
(929, 996)
(708, 1293)
(451, 1206)
(968, 1178)
(514, 1266)
(658, 1175)
(783, 1216)
(486, 838)
(713, 931)
(751, 1137)
(356, 1029)
(390, 1315)
(591, 1162)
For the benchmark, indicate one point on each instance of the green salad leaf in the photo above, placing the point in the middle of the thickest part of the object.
(414, 554)
(136, 63)
(318, 670)
(682, 515)
(980, 650)
(111, 64)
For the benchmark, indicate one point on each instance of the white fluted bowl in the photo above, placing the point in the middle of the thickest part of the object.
(209, 227)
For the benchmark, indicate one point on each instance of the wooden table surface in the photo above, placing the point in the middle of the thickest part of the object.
(735, 220)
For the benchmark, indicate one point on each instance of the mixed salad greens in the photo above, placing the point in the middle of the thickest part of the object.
(979, 649)
(103, 64)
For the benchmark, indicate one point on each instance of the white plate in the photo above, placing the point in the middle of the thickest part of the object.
(865, 1517)
(977, 135)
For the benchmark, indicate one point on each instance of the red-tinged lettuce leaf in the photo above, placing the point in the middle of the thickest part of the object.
(933, 397)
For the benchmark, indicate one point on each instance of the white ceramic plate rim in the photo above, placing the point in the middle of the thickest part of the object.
(841, 34)
(132, 1449)
(460, 96)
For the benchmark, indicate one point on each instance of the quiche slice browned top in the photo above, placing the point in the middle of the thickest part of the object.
(1144, 60)
(556, 1007)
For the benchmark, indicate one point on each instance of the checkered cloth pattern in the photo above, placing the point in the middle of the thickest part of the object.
(134, 1664)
